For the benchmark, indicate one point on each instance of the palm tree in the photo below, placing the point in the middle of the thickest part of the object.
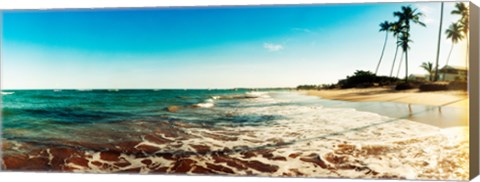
(406, 16)
(384, 26)
(454, 33)
(428, 66)
(462, 10)
(396, 29)
(403, 42)
(438, 44)
(399, 63)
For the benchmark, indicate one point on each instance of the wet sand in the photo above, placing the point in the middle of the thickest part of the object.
(442, 109)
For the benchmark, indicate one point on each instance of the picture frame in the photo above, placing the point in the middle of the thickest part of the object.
(271, 47)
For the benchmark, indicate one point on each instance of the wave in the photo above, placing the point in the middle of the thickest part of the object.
(207, 104)
(84, 90)
(7, 93)
(255, 94)
(211, 101)
(247, 95)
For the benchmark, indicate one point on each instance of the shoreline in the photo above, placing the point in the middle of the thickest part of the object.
(313, 139)
(442, 109)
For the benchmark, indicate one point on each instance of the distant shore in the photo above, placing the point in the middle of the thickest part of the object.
(440, 108)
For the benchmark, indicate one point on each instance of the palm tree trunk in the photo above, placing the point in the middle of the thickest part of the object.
(446, 64)
(383, 51)
(439, 39)
(406, 66)
(394, 59)
(400, 64)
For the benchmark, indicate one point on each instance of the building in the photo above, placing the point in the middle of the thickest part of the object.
(453, 73)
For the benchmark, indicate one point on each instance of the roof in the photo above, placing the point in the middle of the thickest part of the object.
(461, 68)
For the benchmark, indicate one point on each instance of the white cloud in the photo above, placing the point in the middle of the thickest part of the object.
(272, 47)
(427, 12)
(306, 30)
(424, 9)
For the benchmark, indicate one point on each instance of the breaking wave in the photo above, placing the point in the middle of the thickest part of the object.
(7, 93)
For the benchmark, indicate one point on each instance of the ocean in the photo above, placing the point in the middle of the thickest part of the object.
(229, 132)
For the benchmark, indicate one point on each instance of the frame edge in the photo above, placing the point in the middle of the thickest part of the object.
(474, 127)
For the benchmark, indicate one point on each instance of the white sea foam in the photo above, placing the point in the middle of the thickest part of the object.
(320, 130)
(207, 104)
(7, 93)
(255, 94)
(352, 143)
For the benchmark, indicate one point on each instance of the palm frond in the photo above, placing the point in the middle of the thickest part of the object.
(454, 32)
(385, 26)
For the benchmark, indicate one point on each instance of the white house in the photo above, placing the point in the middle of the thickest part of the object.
(453, 73)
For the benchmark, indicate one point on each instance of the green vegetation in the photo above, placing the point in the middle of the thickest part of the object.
(317, 87)
(428, 66)
(363, 79)
(359, 79)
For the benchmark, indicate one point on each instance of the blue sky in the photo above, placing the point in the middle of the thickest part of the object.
(207, 47)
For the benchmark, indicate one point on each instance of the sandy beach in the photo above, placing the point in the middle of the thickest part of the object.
(440, 108)
(439, 98)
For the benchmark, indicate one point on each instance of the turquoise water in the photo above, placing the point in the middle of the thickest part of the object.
(38, 115)
(46, 114)
(26, 107)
